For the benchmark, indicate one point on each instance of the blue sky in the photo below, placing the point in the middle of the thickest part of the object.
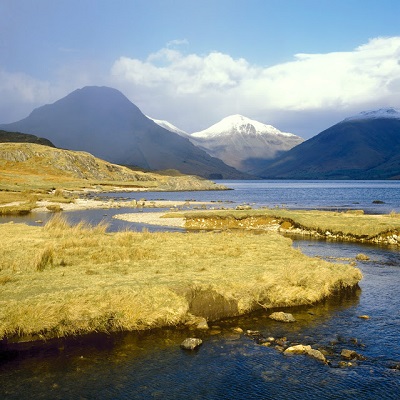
(300, 65)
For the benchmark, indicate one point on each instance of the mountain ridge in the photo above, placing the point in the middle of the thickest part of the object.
(360, 148)
(103, 122)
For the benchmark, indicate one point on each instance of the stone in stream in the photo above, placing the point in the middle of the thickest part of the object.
(302, 349)
(191, 343)
(282, 317)
(202, 324)
(347, 354)
(298, 349)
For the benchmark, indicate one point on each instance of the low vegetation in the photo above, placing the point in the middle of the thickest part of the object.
(62, 280)
(345, 223)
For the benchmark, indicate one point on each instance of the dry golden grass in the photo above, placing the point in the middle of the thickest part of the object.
(60, 280)
(349, 223)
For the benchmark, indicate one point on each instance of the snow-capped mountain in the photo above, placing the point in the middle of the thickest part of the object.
(376, 114)
(238, 125)
(242, 142)
(170, 127)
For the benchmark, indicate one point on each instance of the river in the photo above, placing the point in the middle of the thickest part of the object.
(230, 365)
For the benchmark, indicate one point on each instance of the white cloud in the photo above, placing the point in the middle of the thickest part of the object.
(177, 42)
(204, 88)
(193, 91)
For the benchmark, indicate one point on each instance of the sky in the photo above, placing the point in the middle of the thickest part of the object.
(299, 65)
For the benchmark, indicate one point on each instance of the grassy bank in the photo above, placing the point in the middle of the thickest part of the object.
(30, 172)
(62, 280)
(349, 225)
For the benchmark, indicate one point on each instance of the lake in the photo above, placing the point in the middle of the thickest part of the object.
(229, 365)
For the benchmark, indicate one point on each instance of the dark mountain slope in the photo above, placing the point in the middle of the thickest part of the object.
(351, 149)
(103, 122)
(18, 137)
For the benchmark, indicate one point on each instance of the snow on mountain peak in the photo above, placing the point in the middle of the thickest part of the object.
(390, 113)
(238, 124)
(168, 126)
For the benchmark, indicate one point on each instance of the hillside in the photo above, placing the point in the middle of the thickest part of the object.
(18, 137)
(364, 147)
(103, 122)
(25, 166)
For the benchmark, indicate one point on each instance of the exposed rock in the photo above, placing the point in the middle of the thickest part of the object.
(364, 316)
(249, 332)
(202, 324)
(281, 342)
(282, 317)
(305, 349)
(191, 343)
(395, 366)
(344, 364)
(351, 355)
(317, 355)
(298, 349)
(362, 257)
(237, 330)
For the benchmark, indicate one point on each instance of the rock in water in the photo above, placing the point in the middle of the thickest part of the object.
(317, 355)
(282, 317)
(351, 355)
(298, 349)
(191, 343)
(202, 324)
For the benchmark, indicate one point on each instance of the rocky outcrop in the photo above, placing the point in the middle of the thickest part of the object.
(28, 159)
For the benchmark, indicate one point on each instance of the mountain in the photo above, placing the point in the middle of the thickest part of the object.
(364, 146)
(244, 143)
(18, 137)
(103, 122)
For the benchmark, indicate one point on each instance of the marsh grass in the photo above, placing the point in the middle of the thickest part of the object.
(355, 224)
(64, 279)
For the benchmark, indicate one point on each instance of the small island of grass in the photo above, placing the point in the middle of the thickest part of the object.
(61, 280)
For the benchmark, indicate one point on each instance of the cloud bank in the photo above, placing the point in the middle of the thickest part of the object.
(304, 95)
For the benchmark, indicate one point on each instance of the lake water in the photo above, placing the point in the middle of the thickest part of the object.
(232, 366)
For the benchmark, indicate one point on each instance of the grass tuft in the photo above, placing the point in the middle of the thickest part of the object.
(45, 259)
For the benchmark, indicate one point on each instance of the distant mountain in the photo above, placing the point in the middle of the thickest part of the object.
(244, 143)
(105, 123)
(18, 137)
(364, 146)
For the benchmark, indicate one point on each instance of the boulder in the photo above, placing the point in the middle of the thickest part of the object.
(191, 343)
(351, 355)
(282, 317)
(298, 349)
(203, 325)
(317, 355)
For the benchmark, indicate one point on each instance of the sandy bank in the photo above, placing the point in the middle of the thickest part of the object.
(89, 204)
